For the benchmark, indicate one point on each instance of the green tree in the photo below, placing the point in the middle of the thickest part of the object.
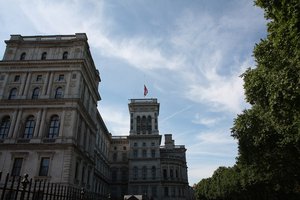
(269, 132)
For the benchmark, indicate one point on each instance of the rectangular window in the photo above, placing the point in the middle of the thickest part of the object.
(171, 173)
(165, 174)
(44, 167)
(144, 190)
(61, 77)
(16, 170)
(124, 157)
(83, 175)
(154, 191)
(135, 153)
(144, 153)
(166, 191)
(17, 78)
(76, 171)
(39, 78)
(153, 153)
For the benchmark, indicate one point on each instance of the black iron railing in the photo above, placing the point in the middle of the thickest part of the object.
(23, 188)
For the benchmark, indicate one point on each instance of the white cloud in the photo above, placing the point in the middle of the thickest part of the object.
(116, 121)
(207, 121)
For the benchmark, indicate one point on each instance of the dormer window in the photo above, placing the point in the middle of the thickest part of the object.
(44, 55)
(65, 55)
(23, 55)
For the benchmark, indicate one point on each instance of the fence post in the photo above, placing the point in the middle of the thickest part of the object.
(24, 183)
(82, 192)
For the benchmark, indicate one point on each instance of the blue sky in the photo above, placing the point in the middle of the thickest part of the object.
(189, 53)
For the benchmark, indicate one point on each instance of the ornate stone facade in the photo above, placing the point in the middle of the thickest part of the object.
(51, 128)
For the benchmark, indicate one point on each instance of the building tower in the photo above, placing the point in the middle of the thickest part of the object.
(144, 143)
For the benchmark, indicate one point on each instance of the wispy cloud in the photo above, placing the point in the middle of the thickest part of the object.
(175, 113)
(115, 119)
(206, 121)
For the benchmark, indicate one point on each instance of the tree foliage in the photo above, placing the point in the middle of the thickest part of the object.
(268, 134)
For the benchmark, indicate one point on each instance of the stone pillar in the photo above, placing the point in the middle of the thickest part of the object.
(25, 93)
(37, 125)
(43, 123)
(13, 122)
(16, 132)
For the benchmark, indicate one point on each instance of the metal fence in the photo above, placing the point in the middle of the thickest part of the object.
(22, 188)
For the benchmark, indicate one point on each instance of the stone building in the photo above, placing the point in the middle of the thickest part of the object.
(50, 126)
(154, 171)
(51, 129)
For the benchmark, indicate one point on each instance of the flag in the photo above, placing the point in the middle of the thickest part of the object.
(145, 90)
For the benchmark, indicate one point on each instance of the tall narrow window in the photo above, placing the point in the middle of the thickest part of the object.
(76, 171)
(35, 93)
(166, 191)
(135, 153)
(135, 172)
(154, 191)
(144, 124)
(4, 127)
(83, 175)
(115, 156)
(138, 124)
(54, 127)
(44, 56)
(149, 124)
(44, 167)
(23, 55)
(144, 172)
(153, 153)
(144, 153)
(153, 172)
(13, 93)
(65, 55)
(171, 173)
(165, 173)
(16, 170)
(114, 175)
(58, 93)
(29, 127)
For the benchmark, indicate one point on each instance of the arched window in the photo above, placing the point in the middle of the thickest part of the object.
(58, 93)
(153, 172)
(23, 55)
(135, 172)
(29, 127)
(44, 56)
(54, 127)
(149, 124)
(144, 124)
(4, 127)
(65, 55)
(35, 93)
(138, 124)
(13, 93)
(144, 172)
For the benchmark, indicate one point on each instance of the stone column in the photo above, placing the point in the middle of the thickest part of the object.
(42, 124)
(37, 125)
(13, 122)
